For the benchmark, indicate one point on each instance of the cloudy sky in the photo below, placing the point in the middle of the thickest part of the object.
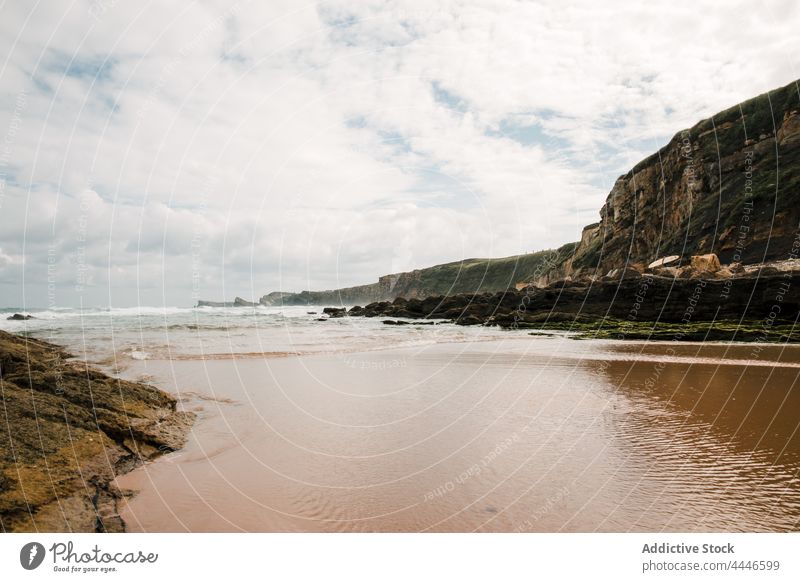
(154, 152)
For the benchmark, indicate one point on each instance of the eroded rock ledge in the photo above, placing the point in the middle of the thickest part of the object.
(746, 303)
(67, 430)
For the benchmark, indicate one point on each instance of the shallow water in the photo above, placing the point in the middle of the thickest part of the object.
(117, 337)
(509, 433)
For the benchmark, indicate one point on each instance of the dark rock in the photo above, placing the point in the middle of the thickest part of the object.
(20, 317)
(405, 313)
(429, 304)
(630, 273)
(639, 297)
(335, 311)
(453, 313)
(378, 308)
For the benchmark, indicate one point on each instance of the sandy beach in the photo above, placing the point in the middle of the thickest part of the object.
(516, 434)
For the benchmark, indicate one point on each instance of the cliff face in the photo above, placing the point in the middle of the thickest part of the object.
(730, 185)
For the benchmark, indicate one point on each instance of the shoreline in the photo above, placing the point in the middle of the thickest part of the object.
(69, 430)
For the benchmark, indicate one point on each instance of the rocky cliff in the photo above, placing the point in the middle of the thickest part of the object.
(729, 185)
(467, 276)
(701, 241)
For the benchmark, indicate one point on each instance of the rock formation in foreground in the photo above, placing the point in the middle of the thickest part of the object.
(67, 430)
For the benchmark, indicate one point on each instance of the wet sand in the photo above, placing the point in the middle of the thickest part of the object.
(522, 434)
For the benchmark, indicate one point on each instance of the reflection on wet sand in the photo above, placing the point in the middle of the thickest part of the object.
(724, 434)
(539, 434)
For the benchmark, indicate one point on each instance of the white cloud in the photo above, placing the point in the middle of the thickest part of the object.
(284, 145)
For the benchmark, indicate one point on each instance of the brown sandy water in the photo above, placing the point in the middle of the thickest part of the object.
(520, 434)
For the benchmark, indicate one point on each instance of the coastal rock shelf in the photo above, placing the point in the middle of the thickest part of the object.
(68, 430)
(757, 306)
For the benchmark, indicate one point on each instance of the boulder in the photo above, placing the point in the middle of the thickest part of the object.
(709, 263)
(20, 317)
(671, 260)
(335, 311)
(453, 313)
(401, 312)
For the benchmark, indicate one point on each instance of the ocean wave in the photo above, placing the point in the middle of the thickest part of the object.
(157, 333)
(144, 311)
